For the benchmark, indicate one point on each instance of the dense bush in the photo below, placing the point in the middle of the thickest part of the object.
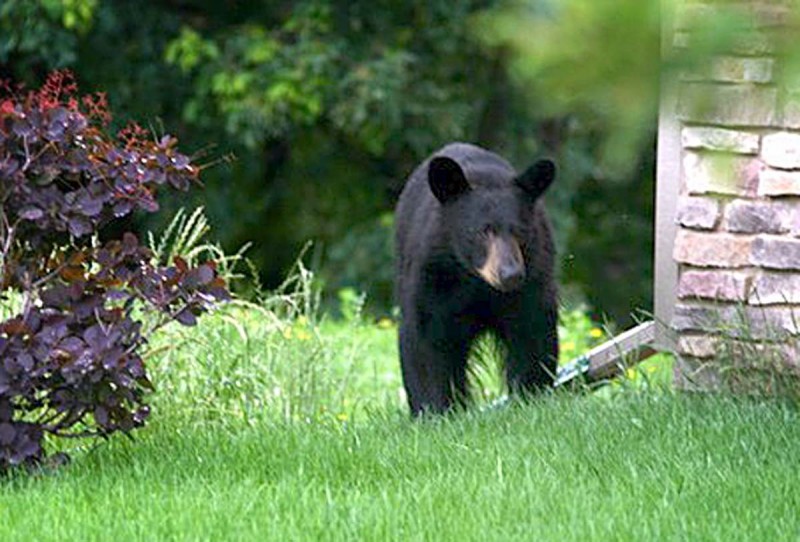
(71, 357)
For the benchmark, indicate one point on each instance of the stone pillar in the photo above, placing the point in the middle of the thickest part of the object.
(738, 214)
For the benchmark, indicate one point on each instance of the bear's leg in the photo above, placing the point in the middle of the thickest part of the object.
(434, 371)
(532, 358)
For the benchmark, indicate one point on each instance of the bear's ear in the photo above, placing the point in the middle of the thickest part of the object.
(446, 179)
(537, 178)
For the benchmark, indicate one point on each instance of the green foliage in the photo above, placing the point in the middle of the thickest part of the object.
(358, 68)
(261, 86)
(577, 333)
(189, 49)
(363, 260)
(327, 106)
(598, 60)
(36, 34)
(613, 230)
(75, 14)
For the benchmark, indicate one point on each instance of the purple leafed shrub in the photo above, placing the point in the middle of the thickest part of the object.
(71, 360)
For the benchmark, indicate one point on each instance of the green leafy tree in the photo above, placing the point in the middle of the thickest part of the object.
(326, 106)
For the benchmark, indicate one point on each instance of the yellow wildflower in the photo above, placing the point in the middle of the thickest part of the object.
(342, 417)
(385, 323)
(595, 333)
(568, 346)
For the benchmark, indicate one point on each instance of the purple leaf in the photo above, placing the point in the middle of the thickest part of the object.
(148, 204)
(122, 208)
(30, 446)
(79, 226)
(180, 161)
(129, 243)
(22, 127)
(25, 361)
(96, 338)
(186, 317)
(199, 276)
(55, 296)
(90, 206)
(6, 410)
(141, 415)
(72, 345)
(101, 416)
(7, 433)
(31, 213)
(11, 366)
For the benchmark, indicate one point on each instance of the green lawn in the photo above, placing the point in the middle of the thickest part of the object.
(270, 426)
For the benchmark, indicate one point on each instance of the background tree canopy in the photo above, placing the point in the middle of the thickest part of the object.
(325, 106)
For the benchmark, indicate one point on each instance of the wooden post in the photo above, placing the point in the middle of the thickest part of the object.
(668, 179)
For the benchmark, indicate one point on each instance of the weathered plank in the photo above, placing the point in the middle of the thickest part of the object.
(611, 358)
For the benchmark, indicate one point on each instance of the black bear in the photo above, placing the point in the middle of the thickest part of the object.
(474, 254)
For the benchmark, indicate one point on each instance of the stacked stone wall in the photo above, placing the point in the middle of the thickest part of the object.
(738, 216)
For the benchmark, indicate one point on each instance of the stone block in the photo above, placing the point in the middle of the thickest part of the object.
(776, 252)
(770, 13)
(717, 173)
(790, 111)
(697, 346)
(743, 216)
(771, 288)
(792, 216)
(690, 318)
(773, 182)
(748, 42)
(759, 14)
(721, 285)
(758, 362)
(781, 150)
(698, 213)
(753, 42)
(733, 69)
(691, 374)
(712, 249)
(688, 14)
(681, 39)
(728, 105)
(741, 322)
(763, 368)
(719, 139)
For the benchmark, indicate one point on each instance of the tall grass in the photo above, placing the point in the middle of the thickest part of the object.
(279, 356)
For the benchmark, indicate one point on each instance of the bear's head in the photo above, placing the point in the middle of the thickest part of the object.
(490, 223)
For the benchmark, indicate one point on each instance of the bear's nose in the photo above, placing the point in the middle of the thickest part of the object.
(511, 275)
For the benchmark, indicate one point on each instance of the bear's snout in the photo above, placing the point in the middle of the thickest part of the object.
(504, 267)
(512, 275)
